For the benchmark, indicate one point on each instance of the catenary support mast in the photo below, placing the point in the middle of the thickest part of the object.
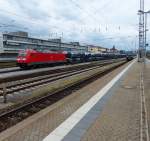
(141, 32)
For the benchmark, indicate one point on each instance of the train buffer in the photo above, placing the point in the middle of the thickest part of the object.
(115, 107)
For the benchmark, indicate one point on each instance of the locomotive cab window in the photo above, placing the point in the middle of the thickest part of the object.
(22, 54)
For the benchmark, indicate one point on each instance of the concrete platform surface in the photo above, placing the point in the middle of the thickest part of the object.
(115, 107)
(122, 114)
(120, 119)
(114, 113)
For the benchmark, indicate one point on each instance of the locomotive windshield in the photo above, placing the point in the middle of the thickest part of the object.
(22, 53)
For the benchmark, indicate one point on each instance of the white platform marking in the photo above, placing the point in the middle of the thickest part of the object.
(63, 129)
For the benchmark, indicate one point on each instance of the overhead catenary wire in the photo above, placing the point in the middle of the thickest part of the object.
(35, 22)
(85, 11)
(91, 14)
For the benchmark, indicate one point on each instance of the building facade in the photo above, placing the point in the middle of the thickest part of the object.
(114, 50)
(96, 49)
(11, 43)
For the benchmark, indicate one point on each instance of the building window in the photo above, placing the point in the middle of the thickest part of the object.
(9, 37)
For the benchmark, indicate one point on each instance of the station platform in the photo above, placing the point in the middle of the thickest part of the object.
(115, 107)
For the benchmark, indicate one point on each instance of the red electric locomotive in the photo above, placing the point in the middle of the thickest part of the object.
(29, 58)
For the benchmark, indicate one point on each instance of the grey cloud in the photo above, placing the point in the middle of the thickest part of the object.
(63, 14)
(30, 8)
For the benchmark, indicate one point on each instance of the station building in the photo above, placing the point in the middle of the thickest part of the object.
(96, 49)
(11, 43)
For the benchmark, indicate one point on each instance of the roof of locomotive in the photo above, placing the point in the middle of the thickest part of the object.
(42, 51)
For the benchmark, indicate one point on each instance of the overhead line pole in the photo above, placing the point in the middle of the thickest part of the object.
(145, 34)
(142, 50)
(141, 32)
(146, 13)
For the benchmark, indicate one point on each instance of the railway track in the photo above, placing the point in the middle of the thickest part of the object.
(20, 75)
(26, 109)
(34, 82)
(19, 85)
(17, 69)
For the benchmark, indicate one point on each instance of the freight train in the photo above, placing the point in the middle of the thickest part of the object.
(31, 58)
(130, 57)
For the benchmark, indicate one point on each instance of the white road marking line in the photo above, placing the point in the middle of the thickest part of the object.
(63, 129)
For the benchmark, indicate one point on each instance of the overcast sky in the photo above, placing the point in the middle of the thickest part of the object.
(98, 22)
